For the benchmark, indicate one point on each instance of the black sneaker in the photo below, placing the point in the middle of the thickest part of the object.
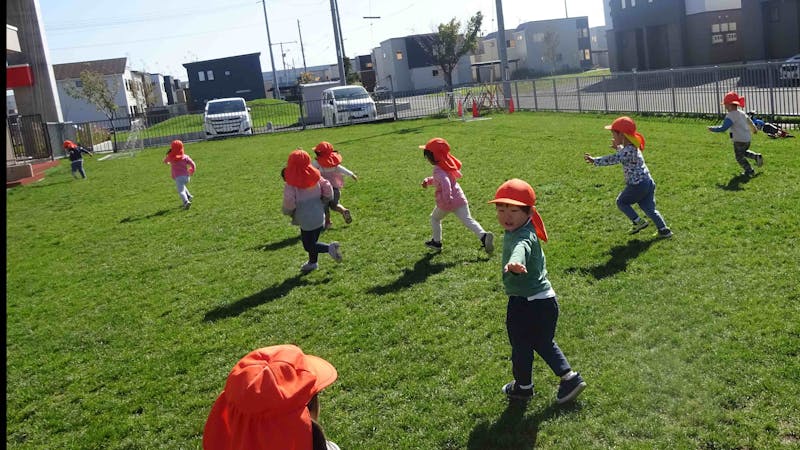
(759, 160)
(515, 392)
(434, 245)
(638, 226)
(665, 233)
(570, 389)
(748, 173)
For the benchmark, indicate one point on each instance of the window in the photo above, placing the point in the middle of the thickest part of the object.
(730, 37)
(369, 65)
(519, 37)
(398, 56)
(715, 28)
(587, 55)
(732, 26)
(716, 39)
(201, 76)
(511, 44)
(538, 37)
(633, 3)
(623, 4)
(723, 27)
(210, 75)
(78, 84)
(227, 73)
(435, 73)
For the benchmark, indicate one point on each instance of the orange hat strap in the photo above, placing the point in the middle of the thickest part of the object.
(538, 224)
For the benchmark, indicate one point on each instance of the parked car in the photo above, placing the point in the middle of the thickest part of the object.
(347, 104)
(790, 69)
(227, 117)
(381, 93)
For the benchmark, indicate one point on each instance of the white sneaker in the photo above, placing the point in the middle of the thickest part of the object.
(308, 267)
(187, 205)
(334, 251)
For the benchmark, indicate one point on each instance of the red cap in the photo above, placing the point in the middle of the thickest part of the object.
(326, 155)
(627, 126)
(69, 144)
(299, 171)
(518, 192)
(176, 150)
(732, 98)
(264, 402)
(441, 153)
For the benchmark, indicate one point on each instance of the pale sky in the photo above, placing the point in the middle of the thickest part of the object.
(159, 36)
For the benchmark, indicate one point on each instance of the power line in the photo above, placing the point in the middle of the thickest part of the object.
(160, 38)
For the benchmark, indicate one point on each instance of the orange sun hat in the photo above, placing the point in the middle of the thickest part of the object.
(627, 126)
(732, 98)
(264, 402)
(176, 150)
(299, 171)
(441, 153)
(69, 144)
(326, 155)
(519, 193)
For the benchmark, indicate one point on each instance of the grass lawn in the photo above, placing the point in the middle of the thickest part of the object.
(125, 313)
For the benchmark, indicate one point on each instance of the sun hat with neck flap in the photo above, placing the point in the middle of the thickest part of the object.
(264, 402)
(441, 153)
(69, 145)
(519, 193)
(326, 155)
(299, 171)
(627, 126)
(176, 150)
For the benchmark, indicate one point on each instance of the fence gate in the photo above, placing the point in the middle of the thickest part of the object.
(29, 137)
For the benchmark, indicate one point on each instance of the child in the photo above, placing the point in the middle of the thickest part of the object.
(532, 311)
(449, 196)
(773, 130)
(328, 162)
(304, 198)
(271, 401)
(639, 185)
(75, 154)
(182, 169)
(741, 126)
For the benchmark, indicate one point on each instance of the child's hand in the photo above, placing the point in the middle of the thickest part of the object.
(424, 184)
(515, 268)
(588, 158)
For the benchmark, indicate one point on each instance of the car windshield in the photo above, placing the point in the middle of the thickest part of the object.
(227, 106)
(351, 93)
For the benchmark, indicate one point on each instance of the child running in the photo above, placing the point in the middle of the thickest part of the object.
(304, 198)
(532, 311)
(449, 196)
(182, 169)
(741, 128)
(75, 153)
(329, 164)
(639, 185)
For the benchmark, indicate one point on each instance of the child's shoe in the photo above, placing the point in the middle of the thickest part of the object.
(433, 244)
(638, 226)
(347, 217)
(308, 267)
(749, 173)
(487, 241)
(515, 392)
(664, 233)
(187, 205)
(759, 160)
(569, 389)
(335, 252)
(328, 225)
(190, 197)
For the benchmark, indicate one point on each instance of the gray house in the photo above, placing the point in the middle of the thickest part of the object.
(402, 65)
(235, 76)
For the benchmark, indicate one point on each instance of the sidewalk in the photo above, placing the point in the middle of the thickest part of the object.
(37, 169)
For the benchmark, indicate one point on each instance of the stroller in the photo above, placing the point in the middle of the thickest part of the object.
(772, 130)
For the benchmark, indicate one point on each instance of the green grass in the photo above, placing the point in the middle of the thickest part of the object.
(125, 314)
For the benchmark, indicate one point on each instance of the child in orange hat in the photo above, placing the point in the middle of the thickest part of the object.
(449, 196)
(640, 187)
(741, 127)
(532, 311)
(183, 167)
(305, 196)
(329, 164)
(271, 402)
(75, 154)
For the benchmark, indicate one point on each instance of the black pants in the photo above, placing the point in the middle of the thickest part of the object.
(531, 326)
(311, 245)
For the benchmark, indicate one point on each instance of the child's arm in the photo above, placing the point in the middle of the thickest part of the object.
(190, 165)
(427, 182)
(725, 125)
(753, 128)
(343, 170)
(519, 255)
(289, 200)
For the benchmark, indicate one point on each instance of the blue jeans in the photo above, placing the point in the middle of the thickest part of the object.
(183, 192)
(77, 166)
(644, 194)
(310, 244)
(531, 326)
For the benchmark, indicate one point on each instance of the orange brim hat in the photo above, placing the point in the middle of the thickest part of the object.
(326, 155)
(732, 98)
(441, 153)
(519, 193)
(299, 171)
(176, 150)
(264, 404)
(627, 126)
(69, 144)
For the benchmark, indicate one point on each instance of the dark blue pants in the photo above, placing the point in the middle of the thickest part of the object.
(77, 166)
(531, 326)
(311, 245)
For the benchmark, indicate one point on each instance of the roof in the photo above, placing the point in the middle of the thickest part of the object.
(101, 66)
(247, 56)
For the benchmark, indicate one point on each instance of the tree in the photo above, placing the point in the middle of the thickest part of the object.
(450, 43)
(350, 76)
(94, 89)
(551, 49)
(308, 77)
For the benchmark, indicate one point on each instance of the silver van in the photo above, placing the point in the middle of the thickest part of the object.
(347, 104)
(227, 117)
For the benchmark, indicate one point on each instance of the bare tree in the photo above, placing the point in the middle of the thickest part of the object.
(551, 50)
(95, 90)
(450, 43)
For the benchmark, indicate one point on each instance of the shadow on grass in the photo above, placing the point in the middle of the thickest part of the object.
(735, 183)
(390, 133)
(267, 295)
(420, 272)
(513, 430)
(620, 255)
(288, 242)
(149, 216)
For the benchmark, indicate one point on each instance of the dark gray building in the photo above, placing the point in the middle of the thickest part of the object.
(235, 76)
(659, 34)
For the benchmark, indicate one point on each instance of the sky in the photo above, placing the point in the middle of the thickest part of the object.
(160, 36)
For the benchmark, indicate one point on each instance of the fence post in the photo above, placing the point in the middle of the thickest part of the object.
(300, 103)
(555, 93)
(636, 90)
(605, 95)
(535, 100)
(771, 78)
(716, 88)
(578, 91)
(516, 93)
(672, 88)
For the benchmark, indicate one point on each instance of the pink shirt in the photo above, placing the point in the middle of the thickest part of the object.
(307, 206)
(449, 195)
(183, 167)
(333, 174)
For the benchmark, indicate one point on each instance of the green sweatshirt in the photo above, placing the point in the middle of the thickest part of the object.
(522, 246)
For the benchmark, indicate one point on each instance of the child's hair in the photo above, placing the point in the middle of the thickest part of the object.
(429, 156)
(283, 174)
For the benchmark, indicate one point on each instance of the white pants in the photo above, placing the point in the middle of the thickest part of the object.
(462, 213)
(183, 193)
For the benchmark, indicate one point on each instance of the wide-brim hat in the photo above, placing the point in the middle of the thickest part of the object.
(627, 126)
(326, 155)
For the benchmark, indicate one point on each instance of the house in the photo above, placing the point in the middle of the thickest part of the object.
(659, 34)
(121, 81)
(234, 76)
(401, 64)
(599, 45)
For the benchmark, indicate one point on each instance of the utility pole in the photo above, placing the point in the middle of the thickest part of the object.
(566, 14)
(302, 51)
(501, 49)
(338, 39)
(275, 87)
(283, 55)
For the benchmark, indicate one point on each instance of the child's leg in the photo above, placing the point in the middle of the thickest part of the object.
(466, 218)
(436, 223)
(310, 244)
(630, 195)
(74, 166)
(648, 205)
(544, 317)
(80, 168)
(741, 152)
(520, 336)
(180, 184)
(189, 195)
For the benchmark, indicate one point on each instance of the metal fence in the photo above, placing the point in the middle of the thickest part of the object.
(690, 91)
(29, 138)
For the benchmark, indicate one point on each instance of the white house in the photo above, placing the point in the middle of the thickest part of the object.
(402, 65)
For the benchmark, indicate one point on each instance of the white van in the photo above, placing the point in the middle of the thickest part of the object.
(227, 117)
(347, 104)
